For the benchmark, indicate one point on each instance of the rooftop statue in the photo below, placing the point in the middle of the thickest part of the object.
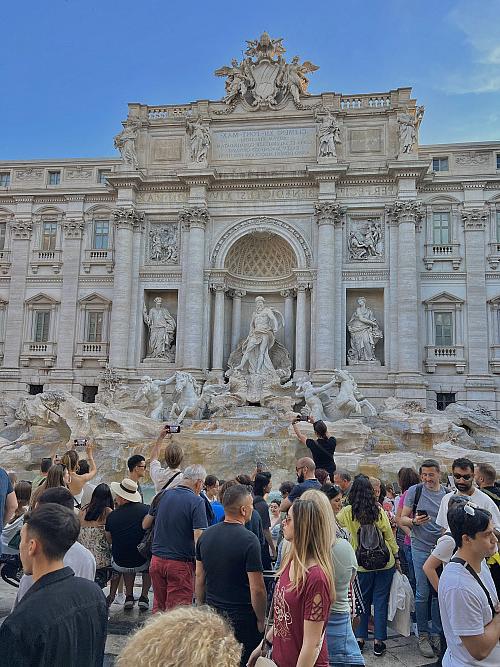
(264, 79)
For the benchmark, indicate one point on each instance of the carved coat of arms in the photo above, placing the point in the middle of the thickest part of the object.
(263, 80)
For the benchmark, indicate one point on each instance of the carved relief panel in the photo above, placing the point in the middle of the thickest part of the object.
(365, 238)
(162, 246)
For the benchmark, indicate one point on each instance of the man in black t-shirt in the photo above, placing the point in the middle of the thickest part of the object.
(229, 570)
(124, 532)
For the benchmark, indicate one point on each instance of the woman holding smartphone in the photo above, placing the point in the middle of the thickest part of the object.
(76, 481)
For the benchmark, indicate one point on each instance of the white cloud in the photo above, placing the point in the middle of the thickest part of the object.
(479, 21)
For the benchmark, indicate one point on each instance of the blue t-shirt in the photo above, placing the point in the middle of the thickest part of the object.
(218, 511)
(299, 489)
(5, 489)
(179, 512)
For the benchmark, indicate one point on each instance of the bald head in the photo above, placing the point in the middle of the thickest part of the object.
(305, 468)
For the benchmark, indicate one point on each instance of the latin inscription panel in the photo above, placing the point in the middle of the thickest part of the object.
(270, 143)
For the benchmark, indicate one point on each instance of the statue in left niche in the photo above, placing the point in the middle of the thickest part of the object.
(125, 143)
(161, 327)
(199, 135)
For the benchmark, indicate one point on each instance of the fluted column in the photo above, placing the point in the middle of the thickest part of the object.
(474, 221)
(288, 295)
(327, 214)
(236, 318)
(20, 231)
(125, 219)
(218, 330)
(72, 236)
(407, 214)
(300, 331)
(197, 218)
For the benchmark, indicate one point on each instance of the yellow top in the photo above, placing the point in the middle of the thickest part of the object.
(344, 518)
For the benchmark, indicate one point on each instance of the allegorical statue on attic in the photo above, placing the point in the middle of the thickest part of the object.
(125, 143)
(264, 79)
(409, 122)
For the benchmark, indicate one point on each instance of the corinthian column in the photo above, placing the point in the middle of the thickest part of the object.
(20, 229)
(72, 231)
(218, 331)
(327, 215)
(300, 331)
(196, 217)
(288, 295)
(125, 219)
(474, 221)
(236, 318)
(406, 215)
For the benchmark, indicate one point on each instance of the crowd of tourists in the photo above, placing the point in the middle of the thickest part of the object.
(242, 572)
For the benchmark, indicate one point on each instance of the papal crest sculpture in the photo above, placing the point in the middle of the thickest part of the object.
(263, 80)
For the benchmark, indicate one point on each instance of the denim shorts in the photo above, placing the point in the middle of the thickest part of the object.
(343, 648)
(130, 570)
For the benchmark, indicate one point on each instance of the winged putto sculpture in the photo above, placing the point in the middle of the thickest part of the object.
(263, 79)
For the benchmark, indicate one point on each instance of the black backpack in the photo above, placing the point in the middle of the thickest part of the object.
(372, 552)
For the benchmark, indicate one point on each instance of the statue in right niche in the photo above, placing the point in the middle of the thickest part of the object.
(365, 334)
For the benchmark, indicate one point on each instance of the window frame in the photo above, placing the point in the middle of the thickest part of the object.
(441, 228)
(438, 162)
(443, 401)
(8, 179)
(449, 326)
(103, 173)
(51, 236)
(95, 235)
(98, 335)
(53, 174)
(45, 327)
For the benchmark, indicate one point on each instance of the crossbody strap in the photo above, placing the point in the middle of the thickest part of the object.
(170, 480)
(472, 571)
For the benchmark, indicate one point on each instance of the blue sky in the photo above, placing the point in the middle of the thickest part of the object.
(69, 67)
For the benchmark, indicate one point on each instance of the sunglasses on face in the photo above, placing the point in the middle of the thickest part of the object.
(465, 477)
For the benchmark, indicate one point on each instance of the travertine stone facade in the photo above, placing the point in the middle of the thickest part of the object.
(214, 202)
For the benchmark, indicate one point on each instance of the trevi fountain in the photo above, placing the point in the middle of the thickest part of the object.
(230, 423)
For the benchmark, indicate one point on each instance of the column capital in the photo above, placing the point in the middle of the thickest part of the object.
(474, 219)
(21, 227)
(218, 287)
(127, 218)
(73, 228)
(328, 213)
(238, 293)
(195, 216)
(286, 293)
(404, 211)
(302, 287)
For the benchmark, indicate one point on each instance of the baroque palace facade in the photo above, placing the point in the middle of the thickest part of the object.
(312, 201)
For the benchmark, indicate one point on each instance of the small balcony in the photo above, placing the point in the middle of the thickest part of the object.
(442, 252)
(5, 261)
(97, 352)
(49, 258)
(46, 351)
(101, 257)
(448, 355)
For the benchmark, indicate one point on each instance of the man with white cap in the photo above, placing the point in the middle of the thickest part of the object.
(124, 532)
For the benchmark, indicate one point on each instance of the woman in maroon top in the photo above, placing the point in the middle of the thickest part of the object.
(305, 588)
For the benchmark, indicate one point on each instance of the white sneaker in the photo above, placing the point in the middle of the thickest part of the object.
(119, 599)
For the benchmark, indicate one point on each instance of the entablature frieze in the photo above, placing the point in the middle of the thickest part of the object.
(365, 275)
(442, 275)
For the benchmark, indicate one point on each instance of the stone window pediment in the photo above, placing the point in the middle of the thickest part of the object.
(443, 298)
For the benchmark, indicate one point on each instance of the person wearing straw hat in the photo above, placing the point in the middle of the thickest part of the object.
(124, 532)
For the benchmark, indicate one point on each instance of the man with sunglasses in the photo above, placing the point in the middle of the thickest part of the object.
(463, 476)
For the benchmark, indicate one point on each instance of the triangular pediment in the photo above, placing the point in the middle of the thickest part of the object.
(42, 299)
(443, 297)
(94, 299)
(495, 299)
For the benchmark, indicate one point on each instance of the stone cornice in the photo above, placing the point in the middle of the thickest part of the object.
(328, 213)
(327, 172)
(197, 176)
(194, 216)
(125, 180)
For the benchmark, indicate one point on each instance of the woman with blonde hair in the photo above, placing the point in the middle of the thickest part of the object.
(305, 588)
(76, 481)
(183, 636)
(58, 475)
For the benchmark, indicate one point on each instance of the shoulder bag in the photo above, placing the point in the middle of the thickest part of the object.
(146, 544)
(472, 571)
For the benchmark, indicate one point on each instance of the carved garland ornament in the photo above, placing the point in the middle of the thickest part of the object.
(475, 218)
(21, 229)
(265, 224)
(73, 228)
